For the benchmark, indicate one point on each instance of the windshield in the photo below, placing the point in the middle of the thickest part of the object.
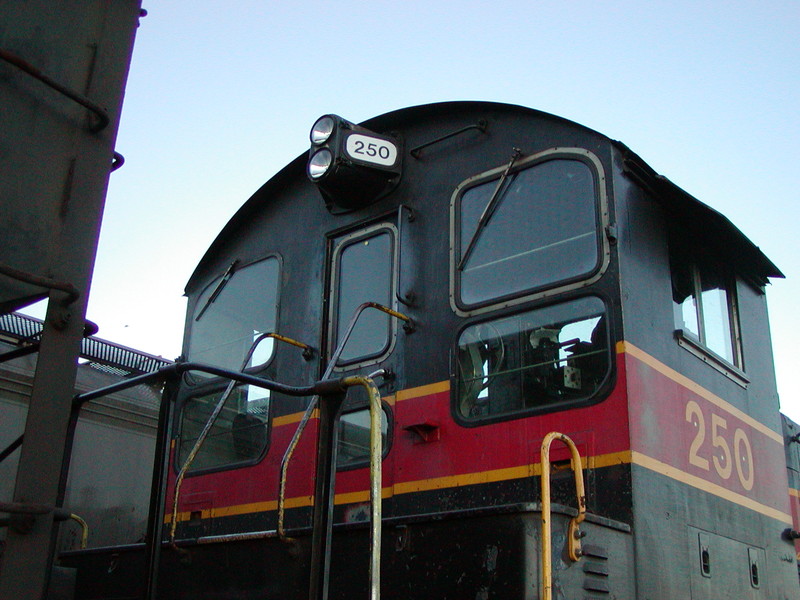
(543, 230)
(232, 311)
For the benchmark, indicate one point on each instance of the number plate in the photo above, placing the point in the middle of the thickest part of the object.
(365, 148)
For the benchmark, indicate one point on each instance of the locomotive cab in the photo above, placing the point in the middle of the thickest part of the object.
(501, 275)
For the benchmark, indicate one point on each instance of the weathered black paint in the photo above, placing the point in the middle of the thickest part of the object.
(465, 541)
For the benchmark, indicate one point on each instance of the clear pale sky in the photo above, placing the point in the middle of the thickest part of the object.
(221, 96)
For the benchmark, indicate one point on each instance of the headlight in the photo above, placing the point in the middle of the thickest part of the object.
(322, 130)
(320, 163)
(351, 166)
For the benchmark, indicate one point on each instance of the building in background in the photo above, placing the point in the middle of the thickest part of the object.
(112, 457)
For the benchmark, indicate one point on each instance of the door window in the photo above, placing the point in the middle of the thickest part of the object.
(363, 272)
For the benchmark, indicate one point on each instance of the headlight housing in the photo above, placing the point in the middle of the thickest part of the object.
(351, 166)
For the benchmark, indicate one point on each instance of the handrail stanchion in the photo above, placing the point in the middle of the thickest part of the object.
(574, 535)
(326, 482)
(210, 423)
(320, 567)
(375, 480)
(409, 326)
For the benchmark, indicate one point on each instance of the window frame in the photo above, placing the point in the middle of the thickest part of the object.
(340, 244)
(558, 287)
(602, 391)
(364, 463)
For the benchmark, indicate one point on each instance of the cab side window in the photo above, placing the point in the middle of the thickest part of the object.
(535, 361)
(704, 305)
(229, 317)
(232, 311)
(239, 433)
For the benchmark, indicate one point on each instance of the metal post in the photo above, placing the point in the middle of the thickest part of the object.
(158, 492)
(326, 484)
(41, 458)
(329, 408)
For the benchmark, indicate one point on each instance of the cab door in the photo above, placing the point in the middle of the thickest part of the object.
(361, 269)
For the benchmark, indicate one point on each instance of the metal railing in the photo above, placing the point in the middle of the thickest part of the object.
(574, 534)
(212, 419)
(23, 516)
(321, 556)
(314, 401)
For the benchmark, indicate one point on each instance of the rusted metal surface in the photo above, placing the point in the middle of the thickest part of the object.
(53, 180)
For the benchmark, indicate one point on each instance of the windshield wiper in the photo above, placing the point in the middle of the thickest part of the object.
(226, 277)
(489, 210)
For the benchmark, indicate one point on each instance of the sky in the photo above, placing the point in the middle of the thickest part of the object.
(221, 96)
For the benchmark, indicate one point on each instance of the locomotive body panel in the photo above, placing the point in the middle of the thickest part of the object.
(545, 269)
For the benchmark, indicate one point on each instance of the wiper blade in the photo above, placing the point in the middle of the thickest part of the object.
(226, 277)
(494, 201)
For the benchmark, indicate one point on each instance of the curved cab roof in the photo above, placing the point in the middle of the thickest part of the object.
(717, 231)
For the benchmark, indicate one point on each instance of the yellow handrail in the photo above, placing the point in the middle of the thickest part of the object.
(84, 530)
(287, 456)
(212, 419)
(574, 535)
(375, 478)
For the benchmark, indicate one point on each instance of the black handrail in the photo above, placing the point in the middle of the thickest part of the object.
(480, 126)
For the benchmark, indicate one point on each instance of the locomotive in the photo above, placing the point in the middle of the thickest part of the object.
(469, 350)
